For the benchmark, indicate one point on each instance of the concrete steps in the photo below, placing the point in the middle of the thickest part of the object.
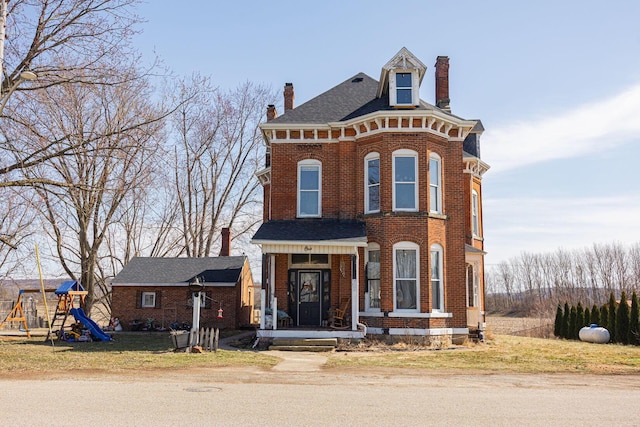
(304, 344)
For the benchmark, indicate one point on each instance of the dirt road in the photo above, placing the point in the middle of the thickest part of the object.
(301, 392)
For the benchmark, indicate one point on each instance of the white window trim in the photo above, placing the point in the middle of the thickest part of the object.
(369, 157)
(438, 187)
(409, 246)
(475, 214)
(367, 303)
(437, 248)
(475, 285)
(301, 164)
(406, 153)
(143, 296)
(415, 87)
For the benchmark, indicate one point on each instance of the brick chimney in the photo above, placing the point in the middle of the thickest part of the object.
(288, 97)
(442, 83)
(225, 250)
(271, 112)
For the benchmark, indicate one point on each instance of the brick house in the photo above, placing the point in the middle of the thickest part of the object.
(373, 203)
(158, 288)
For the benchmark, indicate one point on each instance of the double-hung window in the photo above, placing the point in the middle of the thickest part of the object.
(309, 188)
(435, 184)
(405, 276)
(437, 286)
(404, 87)
(475, 224)
(473, 286)
(373, 277)
(405, 178)
(372, 183)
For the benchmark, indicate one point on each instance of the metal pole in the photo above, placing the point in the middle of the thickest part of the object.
(195, 326)
(44, 295)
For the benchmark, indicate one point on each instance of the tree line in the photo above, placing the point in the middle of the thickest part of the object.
(622, 321)
(103, 159)
(535, 284)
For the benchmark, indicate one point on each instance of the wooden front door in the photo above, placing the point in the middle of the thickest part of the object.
(309, 288)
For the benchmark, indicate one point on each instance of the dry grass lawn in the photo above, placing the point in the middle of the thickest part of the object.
(503, 353)
(154, 351)
(128, 352)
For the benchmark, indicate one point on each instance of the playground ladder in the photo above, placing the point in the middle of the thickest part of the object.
(17, 315)
(65, 304)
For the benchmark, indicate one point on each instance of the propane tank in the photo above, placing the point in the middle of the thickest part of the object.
(595, 334)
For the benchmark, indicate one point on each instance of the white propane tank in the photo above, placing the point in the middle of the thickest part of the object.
(595, 334)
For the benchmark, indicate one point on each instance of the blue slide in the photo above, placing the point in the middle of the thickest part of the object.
(92, 326)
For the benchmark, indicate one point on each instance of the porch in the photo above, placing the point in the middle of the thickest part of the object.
(311, 269)
(316, 333)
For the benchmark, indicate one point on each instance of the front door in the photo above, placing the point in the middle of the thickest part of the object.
(308, 296)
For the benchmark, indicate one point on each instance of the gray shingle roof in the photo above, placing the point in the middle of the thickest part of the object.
(178, 270)
(470, 249)
(352, 98)
(311, 230)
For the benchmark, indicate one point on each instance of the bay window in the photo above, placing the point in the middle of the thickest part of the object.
(437, 287)
(435, 184)
(372, 183)
(309, 188)
(405, 178)
(405, 276)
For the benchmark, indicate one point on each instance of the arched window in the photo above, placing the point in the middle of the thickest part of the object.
(473, 286)
(372, 183)
(405, 180)
(309, 188)
(475, 222)
(406, 276)
(437, 278)
(435, 183)
(372, 258)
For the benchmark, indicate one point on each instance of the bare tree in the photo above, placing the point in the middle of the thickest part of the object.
(108, 135)
(218, 148)
(66, 40)
(61, 41)
(15, 228)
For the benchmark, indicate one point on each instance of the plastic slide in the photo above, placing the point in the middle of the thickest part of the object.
(92, 326)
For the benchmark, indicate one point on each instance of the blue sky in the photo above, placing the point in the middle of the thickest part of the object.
(555, 83)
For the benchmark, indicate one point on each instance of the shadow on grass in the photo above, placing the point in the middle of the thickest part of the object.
(155, 342)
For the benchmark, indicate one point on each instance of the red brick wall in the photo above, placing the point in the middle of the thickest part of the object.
(343, 198)
(173, 306)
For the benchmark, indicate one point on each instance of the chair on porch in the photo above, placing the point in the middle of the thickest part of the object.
(340, 314)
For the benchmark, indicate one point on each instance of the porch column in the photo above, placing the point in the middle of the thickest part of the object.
(355, 274)
(272, 278)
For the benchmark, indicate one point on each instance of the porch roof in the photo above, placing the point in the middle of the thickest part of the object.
(311, 236)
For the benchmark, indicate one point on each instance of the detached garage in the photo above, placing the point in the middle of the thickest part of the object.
(158, 289)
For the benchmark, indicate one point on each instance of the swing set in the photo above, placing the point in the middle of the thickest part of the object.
(70, 294)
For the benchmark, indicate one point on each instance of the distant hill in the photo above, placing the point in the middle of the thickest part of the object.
(9, 287)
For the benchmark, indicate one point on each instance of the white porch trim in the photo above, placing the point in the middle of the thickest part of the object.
(428, 332)
(303, 333)
(434, 315)
(339, 247)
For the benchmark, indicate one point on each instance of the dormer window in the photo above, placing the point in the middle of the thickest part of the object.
(403, 88)
(400, 78)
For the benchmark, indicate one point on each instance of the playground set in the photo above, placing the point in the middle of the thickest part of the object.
(71, 296)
